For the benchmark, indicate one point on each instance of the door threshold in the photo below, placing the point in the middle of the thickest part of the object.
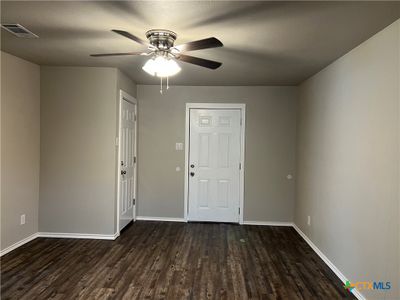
(213, 222)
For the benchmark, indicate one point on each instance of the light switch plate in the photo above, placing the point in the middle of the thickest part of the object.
(179, 146)
(22, 219)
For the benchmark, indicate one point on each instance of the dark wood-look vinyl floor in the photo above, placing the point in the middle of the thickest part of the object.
(165, 260)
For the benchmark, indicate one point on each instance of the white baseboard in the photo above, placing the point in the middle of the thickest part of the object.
(335, 270)
(64, 235)
(262, 223)
(144, 218)
(18, 244)
(58, 235)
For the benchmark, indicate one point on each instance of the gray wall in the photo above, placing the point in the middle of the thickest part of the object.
(20, 155)
(269, 157)
(126, 84)
(78, 130)
(348, 161)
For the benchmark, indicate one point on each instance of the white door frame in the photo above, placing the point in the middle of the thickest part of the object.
(124, 96)
(242, 108)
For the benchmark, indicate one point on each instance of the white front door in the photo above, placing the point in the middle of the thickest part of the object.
(214, 158)
(127, 186)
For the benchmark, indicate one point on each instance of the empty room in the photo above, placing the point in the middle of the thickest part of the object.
(200, 150)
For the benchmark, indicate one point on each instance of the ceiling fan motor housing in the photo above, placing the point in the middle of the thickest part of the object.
(162, 39)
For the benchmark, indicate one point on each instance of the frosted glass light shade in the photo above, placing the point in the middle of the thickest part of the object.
(149, 67)
(161, 67)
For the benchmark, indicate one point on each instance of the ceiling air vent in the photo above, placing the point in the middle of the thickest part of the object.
(19, 31)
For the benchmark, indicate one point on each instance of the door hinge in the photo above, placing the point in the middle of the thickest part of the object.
(134, 159)
(135, 118)
(240, 166)
(133, 201)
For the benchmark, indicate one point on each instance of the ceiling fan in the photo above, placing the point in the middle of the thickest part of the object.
(160, 46)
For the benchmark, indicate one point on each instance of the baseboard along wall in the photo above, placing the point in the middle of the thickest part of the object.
(335, 270)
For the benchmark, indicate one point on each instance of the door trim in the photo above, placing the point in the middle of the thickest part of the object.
(125, 96)
(242, 108)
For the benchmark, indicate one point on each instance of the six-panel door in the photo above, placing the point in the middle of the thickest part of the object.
(214, 158)
(127, 157)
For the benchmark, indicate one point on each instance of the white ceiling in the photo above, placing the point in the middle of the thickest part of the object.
(265, 43)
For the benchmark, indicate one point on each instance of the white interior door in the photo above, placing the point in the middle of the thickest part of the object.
(127, 148)
(214, 170)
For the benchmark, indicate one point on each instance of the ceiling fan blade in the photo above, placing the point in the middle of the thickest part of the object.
(131, 36)
(199, 61)
(119, 54)
(200, 44)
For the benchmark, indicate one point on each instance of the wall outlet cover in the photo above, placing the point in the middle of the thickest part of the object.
(179, 146)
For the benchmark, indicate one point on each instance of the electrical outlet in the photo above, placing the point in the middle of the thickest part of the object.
(23, 219)
(179, 146)
(308, 220)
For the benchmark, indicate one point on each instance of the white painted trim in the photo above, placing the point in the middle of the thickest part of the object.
(262, 223)
(242, 108)
(335, 270)
(144, 218)
(242, 150)
(125, 96)
(63, 235)
(18, 244)
(185, 170)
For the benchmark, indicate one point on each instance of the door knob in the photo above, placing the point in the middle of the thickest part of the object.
(192, 174)
(192, 166)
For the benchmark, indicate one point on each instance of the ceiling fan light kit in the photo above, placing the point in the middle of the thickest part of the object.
(164, 54)
(161, 66)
